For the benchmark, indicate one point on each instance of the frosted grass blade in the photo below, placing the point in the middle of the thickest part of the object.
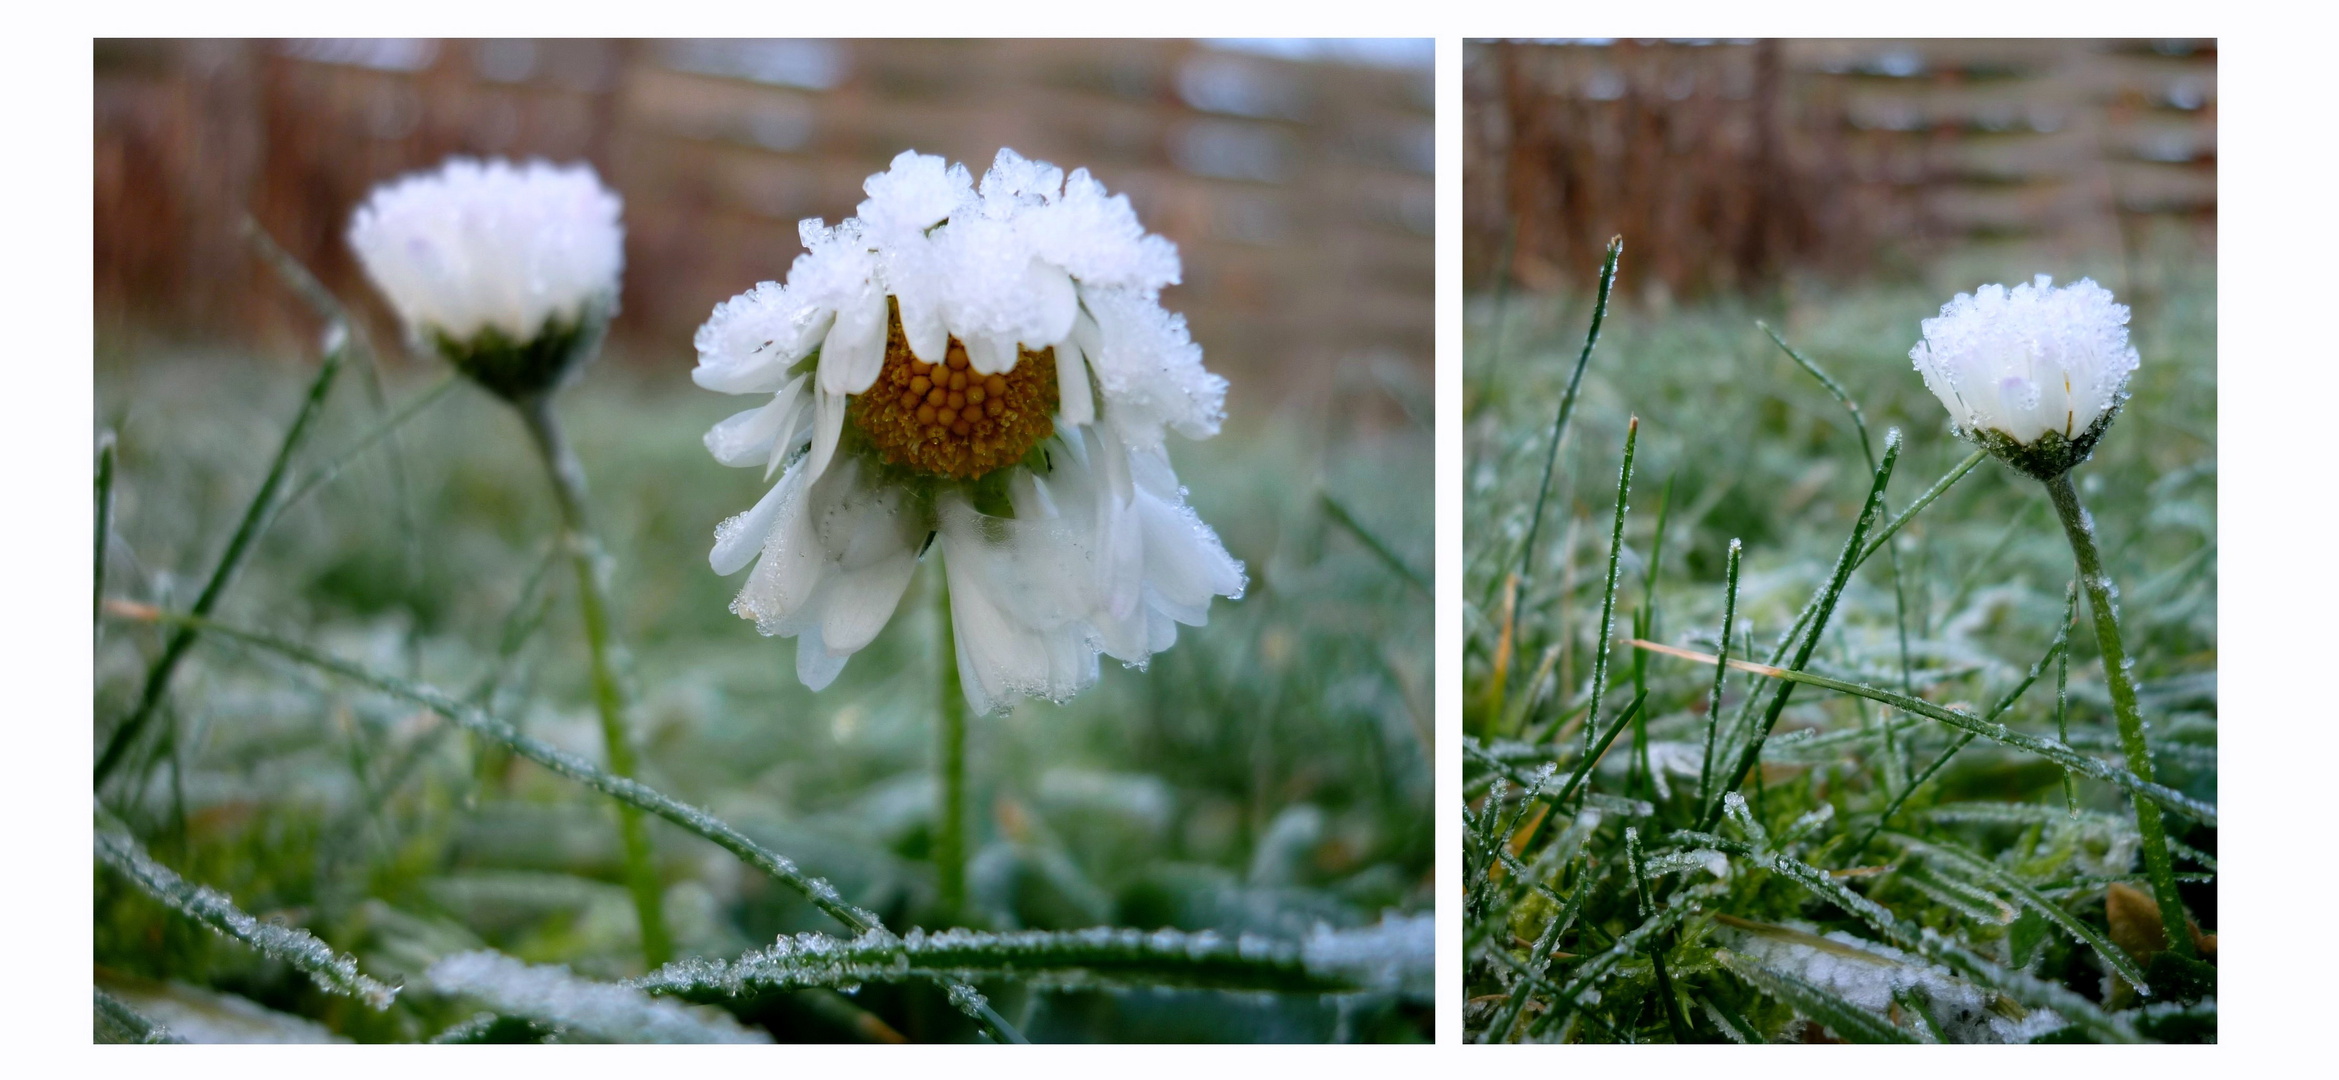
(1850, 1022)
(1632, 431)
(257, 516)
(1844, 565)
(127, 1023)
(2022, 891)
(1567, 403)
(2049, 749)
(1925, 941)
(1340, 516)
(631, 792)
(554, 996)
(333, 971)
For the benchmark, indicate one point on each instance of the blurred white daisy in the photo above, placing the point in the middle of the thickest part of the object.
(510, 271)
(2034, 373)
(987, 371)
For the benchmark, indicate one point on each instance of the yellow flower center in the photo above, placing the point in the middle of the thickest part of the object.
(949, 420)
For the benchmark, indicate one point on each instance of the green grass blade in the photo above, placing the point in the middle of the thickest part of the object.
(1949, 479)
(2050, 749)
(105, 522)
(127, 1024)
(1778, 652)
(2021, 890)
(1567, 404)
(333, 971)
(1925, 941)
(1566, 999)
(1900, 607)
(1539, 958)
(1678, 1024)
(1705, 768)
(382, 429)
(1849, 1022)
(552, 996)
(1097, 957)
(257, 516)
(2056, 651)
(1340, 516)
(631, 792)
(1632, 431)
(1844, 564)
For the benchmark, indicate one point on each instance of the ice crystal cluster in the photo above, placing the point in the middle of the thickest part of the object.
(551, 995)
(2034, 372)
(1872, 975)
(508, 270)
(983, 369)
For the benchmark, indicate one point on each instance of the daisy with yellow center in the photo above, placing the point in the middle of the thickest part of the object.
(984, 372)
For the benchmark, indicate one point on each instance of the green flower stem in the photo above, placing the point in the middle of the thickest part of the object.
(105, 525)
(584, 551)
(2081, 530)
(950, 763)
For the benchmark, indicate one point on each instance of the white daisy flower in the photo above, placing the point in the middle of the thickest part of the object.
(510, 271)
(987, 371)
(2034, 373)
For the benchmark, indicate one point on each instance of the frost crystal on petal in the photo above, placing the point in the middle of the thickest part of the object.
(2028, 361)
(477, 245)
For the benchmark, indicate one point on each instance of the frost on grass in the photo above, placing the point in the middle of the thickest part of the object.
(1395, 955)
(552, 996)
(334, 971)
(1870, 976)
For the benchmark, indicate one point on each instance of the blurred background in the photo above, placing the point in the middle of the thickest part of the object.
(1742, 164)
(1270, 774)
(1295, 177)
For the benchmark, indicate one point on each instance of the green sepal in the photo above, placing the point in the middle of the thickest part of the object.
(2048, 456)
(520, 370)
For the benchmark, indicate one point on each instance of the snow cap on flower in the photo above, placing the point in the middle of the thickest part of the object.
(998, 354)
(509, 270)
(2035, 373)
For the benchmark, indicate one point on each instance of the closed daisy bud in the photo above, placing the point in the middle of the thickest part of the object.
(987, 371)
(509, 271)
(2034, 373)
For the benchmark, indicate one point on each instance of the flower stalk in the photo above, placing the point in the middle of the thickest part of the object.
(609, 700)
(950, 763)
(2081, 530)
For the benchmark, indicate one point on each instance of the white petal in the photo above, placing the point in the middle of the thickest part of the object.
(1074, 402)
(1055, 302)
(746, 438)
(921, 324)
(1184, 560)
(855, 350)
(828, 424)
(794, 427)
(739, 538)
(816, 667)
(860, 602)
(989, 355)
(792, 561)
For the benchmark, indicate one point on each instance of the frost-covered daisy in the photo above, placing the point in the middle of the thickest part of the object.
(2033, 373)
(985, 371)
(509, 271)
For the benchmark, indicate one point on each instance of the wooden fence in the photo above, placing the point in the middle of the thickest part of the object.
(1299, 191)
(1730, 163)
